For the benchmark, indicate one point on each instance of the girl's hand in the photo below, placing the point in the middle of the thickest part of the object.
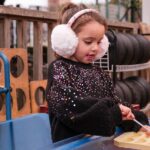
(126, 113)
(146, 131)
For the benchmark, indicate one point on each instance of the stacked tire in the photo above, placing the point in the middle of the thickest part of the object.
(134, 90)
(130, 49)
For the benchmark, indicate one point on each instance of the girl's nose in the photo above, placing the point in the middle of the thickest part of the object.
(95, 47)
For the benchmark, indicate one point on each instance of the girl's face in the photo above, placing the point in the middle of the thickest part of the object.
(89, 37)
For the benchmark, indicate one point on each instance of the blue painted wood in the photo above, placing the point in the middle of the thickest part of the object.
(26, 133)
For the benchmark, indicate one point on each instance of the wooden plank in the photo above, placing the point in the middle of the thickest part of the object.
(15, 12)
(133, 27)
(34, 86)
(50, 53)
(7, 33)
(13, 103)
(1, 33)
(20, 82)
(22, 34)
(123, 24)
(37, 52)
(145, 29)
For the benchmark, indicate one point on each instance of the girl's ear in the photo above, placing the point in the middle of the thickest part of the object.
(104, 45)
(64, 40)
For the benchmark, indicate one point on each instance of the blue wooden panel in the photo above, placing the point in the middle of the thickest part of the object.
(26, 133)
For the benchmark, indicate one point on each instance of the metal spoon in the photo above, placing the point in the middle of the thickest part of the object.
(140, 124)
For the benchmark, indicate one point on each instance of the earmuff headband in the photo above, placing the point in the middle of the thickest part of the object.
(78, 14)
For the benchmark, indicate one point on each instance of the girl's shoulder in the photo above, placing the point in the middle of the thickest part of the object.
(96, 67)
(103, 72)
(57, 63)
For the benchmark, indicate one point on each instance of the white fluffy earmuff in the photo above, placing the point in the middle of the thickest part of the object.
(104, 45)
(64, 40)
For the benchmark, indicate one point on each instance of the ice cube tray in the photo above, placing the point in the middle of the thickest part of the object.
(136, 140)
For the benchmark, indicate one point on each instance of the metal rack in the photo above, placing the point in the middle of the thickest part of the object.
(136, 67)
(104, 64)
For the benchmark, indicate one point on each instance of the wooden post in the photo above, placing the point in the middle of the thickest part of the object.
(37, 52)
(22, 34)
(50, 53)
(7, 32)
(1, 33)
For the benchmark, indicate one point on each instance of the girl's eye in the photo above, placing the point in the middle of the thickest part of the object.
(98, 42)
(88, 42)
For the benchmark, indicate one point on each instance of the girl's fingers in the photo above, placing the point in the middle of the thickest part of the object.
(126, 113)
(146, 131)
(129, 116)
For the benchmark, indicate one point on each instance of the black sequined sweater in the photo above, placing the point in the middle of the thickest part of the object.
(82, 100)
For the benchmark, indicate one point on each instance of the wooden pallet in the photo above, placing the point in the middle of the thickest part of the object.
(19, 84)
(37, 93)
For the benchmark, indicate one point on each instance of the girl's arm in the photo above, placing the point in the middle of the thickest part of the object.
(89, 115)
(127, 125)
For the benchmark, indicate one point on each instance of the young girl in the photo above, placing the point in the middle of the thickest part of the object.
(80, 96)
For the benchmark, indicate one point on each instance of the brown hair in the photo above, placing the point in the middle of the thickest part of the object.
(69, 9)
